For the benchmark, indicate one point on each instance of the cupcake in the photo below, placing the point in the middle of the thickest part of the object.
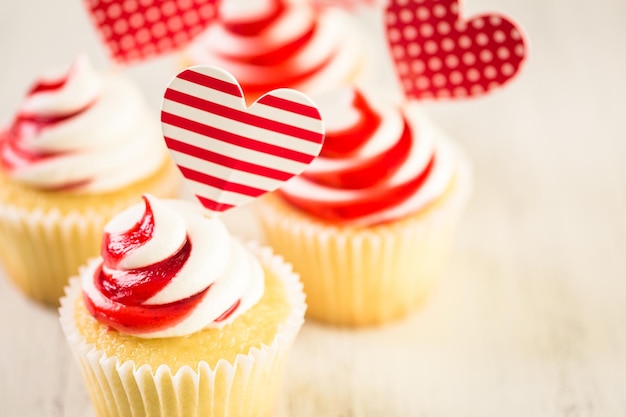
(370, 223)
(281, 43)
(177, 318)
(81, 147)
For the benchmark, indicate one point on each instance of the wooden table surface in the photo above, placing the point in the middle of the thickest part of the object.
(530, 318)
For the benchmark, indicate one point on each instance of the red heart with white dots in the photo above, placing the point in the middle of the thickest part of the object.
(228, 153)
(135, 30)
(438, 54)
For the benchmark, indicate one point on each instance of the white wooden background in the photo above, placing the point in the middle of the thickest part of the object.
(530, 319)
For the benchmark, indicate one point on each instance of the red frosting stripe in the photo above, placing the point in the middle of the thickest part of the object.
(282, 54)
(347, 140)
(116, 245)
(253, 26)
(144, 318)
(134, 287)
(366, 172)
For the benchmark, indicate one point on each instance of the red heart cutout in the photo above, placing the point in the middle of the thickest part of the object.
(438, 54)
(228, 153)
(134, 30)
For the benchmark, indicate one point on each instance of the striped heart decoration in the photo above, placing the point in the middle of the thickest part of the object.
(230, 154)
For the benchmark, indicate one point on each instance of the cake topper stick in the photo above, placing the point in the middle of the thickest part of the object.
(439, 54)
(135, 30)
(230, 154)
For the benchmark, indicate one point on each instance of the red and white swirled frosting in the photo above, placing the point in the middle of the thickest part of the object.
(381, 161)
(82, 132)
(167, 269)
(268, 44)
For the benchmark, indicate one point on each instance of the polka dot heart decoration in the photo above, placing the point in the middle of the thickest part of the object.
(349, 4)
(438, 54)
(135, 30)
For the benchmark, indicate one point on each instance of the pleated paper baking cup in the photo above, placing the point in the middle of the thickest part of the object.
(368, 275)
(40, 251)
(41, 247)
(245, 387)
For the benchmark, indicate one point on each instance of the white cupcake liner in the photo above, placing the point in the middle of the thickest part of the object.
(365, 276)
(41, 250)
(248, 387)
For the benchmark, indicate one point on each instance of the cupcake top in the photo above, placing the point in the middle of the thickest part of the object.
(81, 132)
(168, 269)
(381, 161)
(267, 44)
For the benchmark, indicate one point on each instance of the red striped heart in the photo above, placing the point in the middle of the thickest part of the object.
(438, 54)
(231, 154)
(135, 30)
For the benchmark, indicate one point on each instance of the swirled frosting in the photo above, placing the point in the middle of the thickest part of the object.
(82, 132)
(381, 161)
(167, 269)
(267, 44)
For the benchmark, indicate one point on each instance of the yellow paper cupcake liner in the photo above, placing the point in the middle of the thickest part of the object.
(368, 275)
(40, 251)
(43, 242)
(246, 387)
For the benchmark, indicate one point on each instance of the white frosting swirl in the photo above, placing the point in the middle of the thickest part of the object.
(87, 134)
(399, 164)
(218, 267)
(329, 50)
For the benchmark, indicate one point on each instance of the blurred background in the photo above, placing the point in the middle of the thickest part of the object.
(531, 317)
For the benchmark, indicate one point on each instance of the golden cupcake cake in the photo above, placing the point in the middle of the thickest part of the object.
(81, 146)
(178, 318)
(369, 224)
(270, 44)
